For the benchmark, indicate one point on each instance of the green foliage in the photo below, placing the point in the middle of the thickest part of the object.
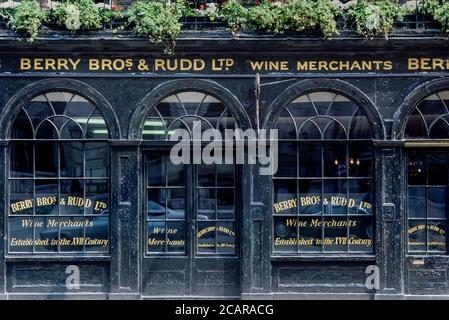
(303, 15)
(277, 17)
(158, 21)
(77, 15)
(235, 15)
(439, 10)
(376, 17)
(27, 18)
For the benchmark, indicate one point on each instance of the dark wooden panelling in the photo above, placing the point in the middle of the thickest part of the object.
(51, 278)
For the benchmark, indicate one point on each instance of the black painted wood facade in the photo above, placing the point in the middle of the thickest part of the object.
(124, 99)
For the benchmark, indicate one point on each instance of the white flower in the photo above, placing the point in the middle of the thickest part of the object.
(277, 4)
(103, 5)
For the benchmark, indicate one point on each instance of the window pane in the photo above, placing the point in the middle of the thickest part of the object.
(47, 194)
(335, 199)
(436, 202)
(206, 204)
(335, 237)
(97, 231)
(436, 235)
(417, 202)
(47, 234)
(225, 203)
(360, 197)
(417, 235)
(156, 170)
(72, 159)
(417, 171)
(72, 198)
(285, 197)
(285, 235)
(21, 199)
(361, 234)
(46, 159)
(335, 162)
(287, 161)
(360, 159)
(437, 169)
(310, 197)
(176, 203)
(310, 234)
(72, 234)
(225, 175)
(206, 237)
(176, 234)
(20, 234)
(156, 236)
(206, 175)
(225, 238)
(21, 159)
(156, 204)
(97, 197)
(175, 173)
(310, 159)
(97, 159)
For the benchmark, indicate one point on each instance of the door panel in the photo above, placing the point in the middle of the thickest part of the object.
(427, 226)
(190, 229)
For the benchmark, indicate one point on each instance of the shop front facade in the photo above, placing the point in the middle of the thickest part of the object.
(87, 183)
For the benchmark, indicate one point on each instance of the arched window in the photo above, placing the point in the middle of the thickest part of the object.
(213, 185)
(427, 176)
(322, 191)
(59, 177)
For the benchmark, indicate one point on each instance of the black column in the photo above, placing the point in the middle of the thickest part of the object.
(125, 220)
(389, 245)
(256, 235)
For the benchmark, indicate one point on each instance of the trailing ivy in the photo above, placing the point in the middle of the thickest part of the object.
(159, 22)
(27, 18)
(375, 18)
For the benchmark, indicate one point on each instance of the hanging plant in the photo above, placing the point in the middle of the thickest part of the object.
(268, 17)
(439, 11)
(159, 22)
(27, 18)
(312, 15)
(375, 18)
(235, 15)
(77, 15)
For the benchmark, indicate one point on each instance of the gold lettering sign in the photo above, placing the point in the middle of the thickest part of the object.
(70, 201)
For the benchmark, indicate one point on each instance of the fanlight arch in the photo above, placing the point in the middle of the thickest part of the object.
(323, 115)
(189, 110)
(59, 115)
(430, 118)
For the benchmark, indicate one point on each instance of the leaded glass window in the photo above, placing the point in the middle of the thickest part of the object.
(58, 177)
(323, 189)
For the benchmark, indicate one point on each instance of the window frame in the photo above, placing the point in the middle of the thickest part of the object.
(354, 255)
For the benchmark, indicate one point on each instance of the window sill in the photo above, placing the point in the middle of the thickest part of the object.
(59, 258)
(324, 257)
